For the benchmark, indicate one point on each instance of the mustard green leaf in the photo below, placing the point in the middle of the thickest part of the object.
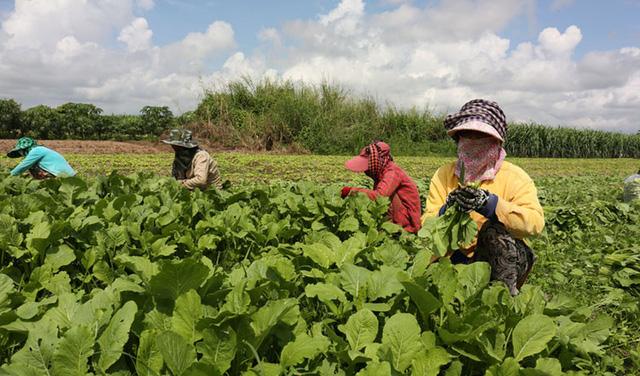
(376, 369)
(428, 363)
(178, 355)
(320, 254)
(325, 292)
(112, 340)
(218, 348)
(423, 299)
(177, 277)
(303, 347)
(186, 314)
(361, 329)
(531, 335)
(73, 352)
(401, 340)
(148, 359)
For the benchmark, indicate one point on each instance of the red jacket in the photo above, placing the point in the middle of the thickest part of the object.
(405, 207)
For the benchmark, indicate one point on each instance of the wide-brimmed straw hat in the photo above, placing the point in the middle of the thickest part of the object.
(181, 137)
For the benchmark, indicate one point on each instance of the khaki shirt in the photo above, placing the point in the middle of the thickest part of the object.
(202, 173)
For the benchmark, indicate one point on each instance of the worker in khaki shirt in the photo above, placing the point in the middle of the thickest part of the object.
(505, 206)
(193, 167)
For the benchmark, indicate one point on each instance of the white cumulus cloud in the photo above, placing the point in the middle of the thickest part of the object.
(136, 35)
(56, 51)
(443, 55)
(557, 44)
(436, 55)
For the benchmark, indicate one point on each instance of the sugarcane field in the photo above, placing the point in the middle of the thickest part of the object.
(339, 187)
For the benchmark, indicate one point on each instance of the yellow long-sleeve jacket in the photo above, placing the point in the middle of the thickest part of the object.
(518, 208)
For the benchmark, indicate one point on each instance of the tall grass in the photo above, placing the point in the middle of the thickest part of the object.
(534, 140)
(328, 119)
(324, 119)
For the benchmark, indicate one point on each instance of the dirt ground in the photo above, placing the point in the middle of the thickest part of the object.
(96, 147)
(136, 147)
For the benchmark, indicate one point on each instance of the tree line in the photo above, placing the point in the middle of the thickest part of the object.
(81, 121)
(322, 119)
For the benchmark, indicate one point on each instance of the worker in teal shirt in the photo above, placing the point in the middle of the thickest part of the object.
(41, 162)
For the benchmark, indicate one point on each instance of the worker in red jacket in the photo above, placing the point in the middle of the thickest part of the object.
(389, 180)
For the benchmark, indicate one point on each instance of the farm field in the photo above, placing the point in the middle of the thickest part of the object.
(278, 275)
(254, 168)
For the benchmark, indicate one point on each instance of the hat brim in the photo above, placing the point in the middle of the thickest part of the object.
(181, 144)
(477, 126)
(15, 153)
(357, 164)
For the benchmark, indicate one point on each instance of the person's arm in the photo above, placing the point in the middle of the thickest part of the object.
(386, 186)
(521, 214)
(200, 172)
(217, 179)
(32, 158)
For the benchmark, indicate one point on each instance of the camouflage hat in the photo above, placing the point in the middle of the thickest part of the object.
(24, 143)
(181, 137)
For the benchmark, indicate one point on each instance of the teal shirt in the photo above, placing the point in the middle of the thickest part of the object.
(47, 159)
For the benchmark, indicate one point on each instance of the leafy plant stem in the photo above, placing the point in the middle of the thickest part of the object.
(253, 351)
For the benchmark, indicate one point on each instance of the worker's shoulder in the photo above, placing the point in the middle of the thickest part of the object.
(39, 149)
(513, 171)
(202, 154)
(395, 169)
(446, 169)
(392, 165)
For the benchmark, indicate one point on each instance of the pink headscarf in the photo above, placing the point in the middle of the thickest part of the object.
(482, 158)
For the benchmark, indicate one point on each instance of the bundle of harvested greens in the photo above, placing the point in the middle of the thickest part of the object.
(454, 229)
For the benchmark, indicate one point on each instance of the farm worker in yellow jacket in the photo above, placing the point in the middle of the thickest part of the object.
(40, 161)
(505, 206)
(193, 167)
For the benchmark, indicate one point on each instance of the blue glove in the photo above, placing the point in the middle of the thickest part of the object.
(489, 209)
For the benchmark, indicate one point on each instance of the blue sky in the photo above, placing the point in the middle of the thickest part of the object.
(558, 62)
(604, 24)
(172, 19)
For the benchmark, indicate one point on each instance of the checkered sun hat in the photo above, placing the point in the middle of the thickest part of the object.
(478, 111)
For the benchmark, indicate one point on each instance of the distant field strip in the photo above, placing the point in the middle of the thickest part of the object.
(241, 167)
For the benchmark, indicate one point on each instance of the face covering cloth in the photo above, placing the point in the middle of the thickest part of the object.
(482, 158)
(182, 162)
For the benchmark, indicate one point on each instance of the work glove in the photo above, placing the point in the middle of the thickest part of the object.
(471, 199)
(450, 200)
(345, 192)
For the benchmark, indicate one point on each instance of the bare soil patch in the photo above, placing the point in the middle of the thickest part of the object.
(96, 147)
(139, 147)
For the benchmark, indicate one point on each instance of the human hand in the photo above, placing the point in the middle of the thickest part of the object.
(451, 199)
(470, 198)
